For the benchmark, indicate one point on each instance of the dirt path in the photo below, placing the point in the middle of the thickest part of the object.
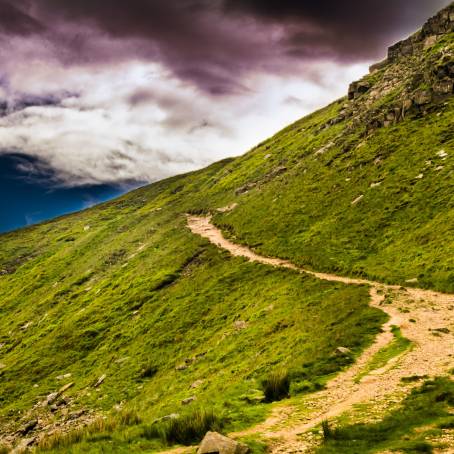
(424, 317)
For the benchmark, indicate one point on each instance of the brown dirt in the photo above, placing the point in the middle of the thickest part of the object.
(288, 429)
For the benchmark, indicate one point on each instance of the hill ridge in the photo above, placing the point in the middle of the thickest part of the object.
(118, 317)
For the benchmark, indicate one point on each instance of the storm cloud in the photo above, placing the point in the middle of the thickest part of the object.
(213, 43)
(103, 91)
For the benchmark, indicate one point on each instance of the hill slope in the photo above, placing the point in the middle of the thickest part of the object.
(127, 307)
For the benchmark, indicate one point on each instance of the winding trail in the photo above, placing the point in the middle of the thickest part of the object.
(425, 317)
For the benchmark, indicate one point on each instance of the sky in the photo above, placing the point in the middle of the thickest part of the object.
(101, 96)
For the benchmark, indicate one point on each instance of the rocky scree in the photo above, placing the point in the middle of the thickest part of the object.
(416, 77)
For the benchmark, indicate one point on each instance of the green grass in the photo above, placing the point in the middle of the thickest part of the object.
(424, 414)
(126, 291)
(139, 317)
(276, 386)
(255, 444)
(396, 347)
(186, 429)
(401, 230)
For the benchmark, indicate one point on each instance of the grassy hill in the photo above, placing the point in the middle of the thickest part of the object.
(135, 314)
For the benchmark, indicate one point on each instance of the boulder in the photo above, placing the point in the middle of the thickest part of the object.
(277, 171)
(239, 325)
(76, 414)
(423, 97)
(27, 428)
(227, 208)
(324, 148)
(196, 384)
(246, 188)
(342, 351)
(166, 418)
(443, 87)
(100, 381)
(65, 388)
(358, 199)
(356, 89)
(215, 443)
(51, 398)
(188, 401)
(63, 377)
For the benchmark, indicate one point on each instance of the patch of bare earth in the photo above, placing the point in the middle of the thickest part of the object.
(424, 317)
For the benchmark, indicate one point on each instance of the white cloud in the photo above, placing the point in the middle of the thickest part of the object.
(136, 121)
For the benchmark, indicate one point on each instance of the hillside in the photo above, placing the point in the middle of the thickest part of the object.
(122, 312)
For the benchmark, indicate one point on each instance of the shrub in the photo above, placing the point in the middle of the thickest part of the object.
(186, 429)
(276, 386)
(149, 371)
(128, 417)
(327, 431)
(448, 424)
(418, 446)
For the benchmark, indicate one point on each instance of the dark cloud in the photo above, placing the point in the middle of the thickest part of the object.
(27, 168)
(212, 44)
(16, 102)
(15, 21)
(347, 30)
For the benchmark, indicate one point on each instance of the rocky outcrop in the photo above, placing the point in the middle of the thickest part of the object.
(440, 24)
(356, 89)
(417, 77)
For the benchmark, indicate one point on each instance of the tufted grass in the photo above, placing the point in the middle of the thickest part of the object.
(276, 386)
(187, 429)
(424, 414)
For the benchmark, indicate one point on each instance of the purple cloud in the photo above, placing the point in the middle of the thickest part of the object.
(214, 44)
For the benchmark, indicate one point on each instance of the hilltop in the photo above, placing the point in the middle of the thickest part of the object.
(118, 321)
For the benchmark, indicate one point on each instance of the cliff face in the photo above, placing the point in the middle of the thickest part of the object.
(442, 23)
(417, 77)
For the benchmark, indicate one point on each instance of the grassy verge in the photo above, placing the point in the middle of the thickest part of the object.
(186, 429)
(395, 348)
(402, 227)
(164, 317)
(424, 415)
